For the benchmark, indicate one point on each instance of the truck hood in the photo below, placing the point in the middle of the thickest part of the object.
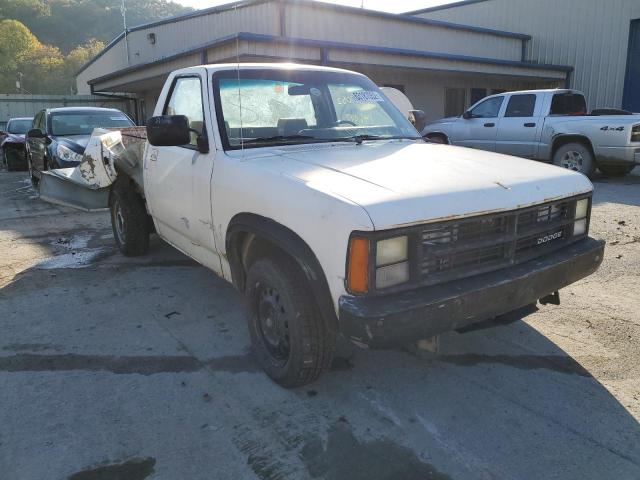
(401, 183)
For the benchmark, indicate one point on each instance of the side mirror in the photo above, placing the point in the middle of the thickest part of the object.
(467, 115)
(168, 131)
(35, 133)
(419, 119)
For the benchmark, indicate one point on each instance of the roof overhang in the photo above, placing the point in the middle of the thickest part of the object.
(277, 48)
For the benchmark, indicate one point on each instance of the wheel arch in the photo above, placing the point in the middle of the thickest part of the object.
(565, 138)
(249, 233)
(438, 133)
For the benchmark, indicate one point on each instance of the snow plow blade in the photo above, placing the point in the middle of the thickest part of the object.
(86, 187)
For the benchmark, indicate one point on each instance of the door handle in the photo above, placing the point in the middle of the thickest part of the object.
(529, 125)
(489, 125)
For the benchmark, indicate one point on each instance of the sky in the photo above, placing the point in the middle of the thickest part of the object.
(396, 6)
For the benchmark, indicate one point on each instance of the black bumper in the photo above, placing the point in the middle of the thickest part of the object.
(392, 320)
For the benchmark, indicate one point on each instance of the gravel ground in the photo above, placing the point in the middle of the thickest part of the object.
(139, 368)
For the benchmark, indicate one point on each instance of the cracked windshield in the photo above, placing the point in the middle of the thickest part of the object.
(306, 107)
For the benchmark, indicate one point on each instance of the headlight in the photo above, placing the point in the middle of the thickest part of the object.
(581, 218)
(67, 155)
(580, 227)
(635, 133)
(582, 208)
(392, 275)
(392, 267)
(392, 250)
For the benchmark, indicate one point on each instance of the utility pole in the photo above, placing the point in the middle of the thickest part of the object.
(123, 9)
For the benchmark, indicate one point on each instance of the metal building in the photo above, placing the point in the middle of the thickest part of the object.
(600, 39)
(436, 63)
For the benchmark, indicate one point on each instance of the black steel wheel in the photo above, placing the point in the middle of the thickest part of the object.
(129, 219)
(288, 335)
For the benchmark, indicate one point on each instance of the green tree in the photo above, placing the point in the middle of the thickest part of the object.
(23, 8)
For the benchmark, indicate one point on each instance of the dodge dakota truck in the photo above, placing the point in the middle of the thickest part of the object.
(547, 125)
(313, 195)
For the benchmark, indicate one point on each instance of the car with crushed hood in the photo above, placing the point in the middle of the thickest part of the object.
(59, 136)
(12, 145)
(309, 191)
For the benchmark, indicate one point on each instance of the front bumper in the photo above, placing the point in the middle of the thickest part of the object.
(396, 319)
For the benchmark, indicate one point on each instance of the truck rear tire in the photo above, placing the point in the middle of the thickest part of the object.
(129, 219)
(616, 170)
(575, 156)
(288, 335)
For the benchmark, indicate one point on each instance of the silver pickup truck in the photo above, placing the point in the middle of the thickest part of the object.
(547, 125)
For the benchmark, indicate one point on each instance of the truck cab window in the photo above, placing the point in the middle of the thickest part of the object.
(186, 99)
(568, 104)
(521, 106)
(488, 109)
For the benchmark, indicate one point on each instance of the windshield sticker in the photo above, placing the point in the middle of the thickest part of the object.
(365, 96)
(315, 92)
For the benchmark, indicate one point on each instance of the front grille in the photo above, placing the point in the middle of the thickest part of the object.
(461, 248)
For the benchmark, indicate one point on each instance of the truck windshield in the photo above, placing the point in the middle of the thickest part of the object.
(19, 127)
(284, 107)
(84, 123)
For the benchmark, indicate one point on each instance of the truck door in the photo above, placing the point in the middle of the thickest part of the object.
(479, 126)
(519, 127)
(178, 179)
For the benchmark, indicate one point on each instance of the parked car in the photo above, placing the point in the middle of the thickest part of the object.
(59, 135)
(323, 205)
(548, 125)
(12, 146)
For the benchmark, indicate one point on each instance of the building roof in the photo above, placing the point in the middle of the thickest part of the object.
(326, 6)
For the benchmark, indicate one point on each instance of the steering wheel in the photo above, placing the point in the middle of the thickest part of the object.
(346, 122)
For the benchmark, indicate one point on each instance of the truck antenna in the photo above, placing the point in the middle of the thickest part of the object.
(238, 74)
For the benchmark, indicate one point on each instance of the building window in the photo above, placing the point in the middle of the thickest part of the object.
(455, 101)
(521, 106)
(397, 87)
(477, 94)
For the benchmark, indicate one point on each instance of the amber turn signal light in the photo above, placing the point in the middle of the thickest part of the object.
(358, 269)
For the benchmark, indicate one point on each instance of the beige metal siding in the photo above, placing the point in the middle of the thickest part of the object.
(591, 35)
(317, 22)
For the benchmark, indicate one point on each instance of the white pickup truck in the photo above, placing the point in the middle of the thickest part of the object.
(309, 191)
(548, 125)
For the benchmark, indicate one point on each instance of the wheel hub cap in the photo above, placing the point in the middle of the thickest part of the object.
(274, 325)
(572, 160)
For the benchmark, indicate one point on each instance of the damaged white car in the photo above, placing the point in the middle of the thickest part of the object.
(308, 190)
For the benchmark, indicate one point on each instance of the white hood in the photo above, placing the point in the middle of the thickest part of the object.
(400, 183)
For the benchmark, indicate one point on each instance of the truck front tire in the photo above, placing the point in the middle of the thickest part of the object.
(129, 219)
(575, 156)
(289, 338)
